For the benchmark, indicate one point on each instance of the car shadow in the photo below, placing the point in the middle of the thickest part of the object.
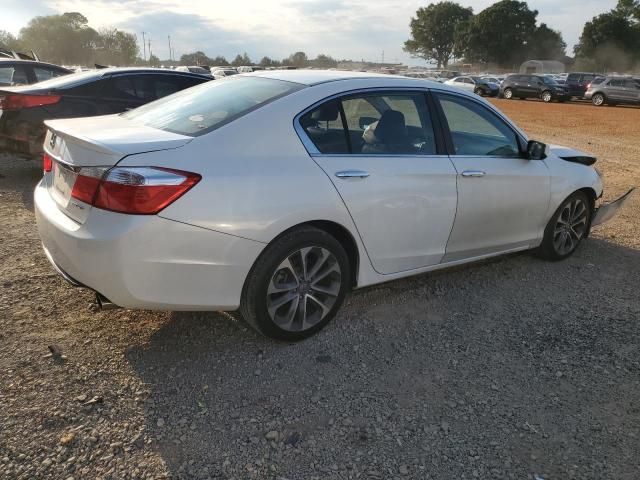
(20, 176)
(531, 365)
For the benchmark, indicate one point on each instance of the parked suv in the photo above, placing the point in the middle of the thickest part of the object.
(577, 83)
(25, 72)
(613, 90)
(533, 86)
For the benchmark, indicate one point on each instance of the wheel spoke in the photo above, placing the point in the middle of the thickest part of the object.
(304, 288)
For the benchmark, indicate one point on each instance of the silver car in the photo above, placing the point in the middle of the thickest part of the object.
(613, 90)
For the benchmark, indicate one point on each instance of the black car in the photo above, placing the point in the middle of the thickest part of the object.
(577, 82)
(98, 92)
(533, 86)
(15, 72)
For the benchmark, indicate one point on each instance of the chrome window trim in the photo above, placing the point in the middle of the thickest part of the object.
(313, 151)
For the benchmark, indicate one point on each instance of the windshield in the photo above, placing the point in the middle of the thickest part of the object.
(199, 110)
(549, 81)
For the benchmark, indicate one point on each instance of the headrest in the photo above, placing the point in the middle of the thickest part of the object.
(390, 129)
(326, 113)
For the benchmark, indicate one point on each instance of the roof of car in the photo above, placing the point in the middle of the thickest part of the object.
(33, 62)
(316, 77)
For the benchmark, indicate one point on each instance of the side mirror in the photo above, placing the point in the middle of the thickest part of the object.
(536, 150)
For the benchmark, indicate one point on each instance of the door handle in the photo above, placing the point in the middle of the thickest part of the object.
(352, 174)
(473, 173)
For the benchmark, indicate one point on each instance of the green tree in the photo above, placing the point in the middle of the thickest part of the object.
(154, 61)
(501, 33)
(65, 39)
(629, 9)
(547, 44)
(433, 31)
(298, 59)
(324, 61)
(115, 47)
(609, 41)
(195, 58)
(241, 60)
(219, 61)
(9, 42)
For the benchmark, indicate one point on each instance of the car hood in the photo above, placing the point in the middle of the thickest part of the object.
(572, 155)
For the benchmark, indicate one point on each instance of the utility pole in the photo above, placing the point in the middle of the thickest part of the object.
(383, 57)
(169, 37)
(149, 49)
(144, 48)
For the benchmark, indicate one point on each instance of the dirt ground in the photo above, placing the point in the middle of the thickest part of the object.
(513, 368)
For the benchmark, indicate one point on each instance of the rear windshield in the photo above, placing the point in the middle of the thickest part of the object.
(199, 110)
(67, 80)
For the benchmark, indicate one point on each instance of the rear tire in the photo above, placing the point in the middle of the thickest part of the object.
(568, 226)
(546, 96)
(297, 285)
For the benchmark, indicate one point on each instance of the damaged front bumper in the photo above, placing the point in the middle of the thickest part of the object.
(607, 211)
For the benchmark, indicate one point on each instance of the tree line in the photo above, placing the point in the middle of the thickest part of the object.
(506, 34)
(297, 59)
(68, 39)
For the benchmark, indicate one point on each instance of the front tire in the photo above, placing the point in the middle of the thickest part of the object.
(297, 285)
(546, 96)
(568, 226)
(508, 93)
(598, 99)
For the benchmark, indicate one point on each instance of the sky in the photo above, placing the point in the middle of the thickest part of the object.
(352, 29)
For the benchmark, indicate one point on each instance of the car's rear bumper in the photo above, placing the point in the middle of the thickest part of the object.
(146, 262)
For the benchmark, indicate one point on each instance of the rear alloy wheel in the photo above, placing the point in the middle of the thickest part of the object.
(508, 93)
(546, 96)
(297, 285)
(598, 99)
(478, 91)
(567, 228)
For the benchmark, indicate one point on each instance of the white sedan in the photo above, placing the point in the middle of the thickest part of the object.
(277, 192)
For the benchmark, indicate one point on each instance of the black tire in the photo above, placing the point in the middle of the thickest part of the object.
(507, 93)
(549, 248)
(598, 99)
(255, 297)
(546, 96)
(478, 91)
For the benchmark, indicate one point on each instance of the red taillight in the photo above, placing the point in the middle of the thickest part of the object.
(133, 190)
(17, 101)
(47, 163)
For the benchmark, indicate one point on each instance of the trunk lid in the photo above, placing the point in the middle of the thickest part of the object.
(90, 146)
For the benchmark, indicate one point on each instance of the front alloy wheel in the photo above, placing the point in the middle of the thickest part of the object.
(297, 284)
(508, 93)
(598, 99)
(546, 96)
(567, 228)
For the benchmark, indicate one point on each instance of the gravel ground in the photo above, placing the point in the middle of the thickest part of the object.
(513, 368)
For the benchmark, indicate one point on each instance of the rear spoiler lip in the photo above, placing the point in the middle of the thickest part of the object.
(84, 141)
(96, 146)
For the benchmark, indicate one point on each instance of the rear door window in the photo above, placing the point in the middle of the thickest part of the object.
(43, 73)
(615, 82)
(13, 75)
(325, 129)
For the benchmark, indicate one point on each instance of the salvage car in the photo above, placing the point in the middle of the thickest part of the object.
(97, 92)
(533, 86)
(14, 72)
(278, 192)
(477, 85)
(613, 90)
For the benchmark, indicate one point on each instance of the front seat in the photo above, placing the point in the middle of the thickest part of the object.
(330, 138)
(387, 135)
